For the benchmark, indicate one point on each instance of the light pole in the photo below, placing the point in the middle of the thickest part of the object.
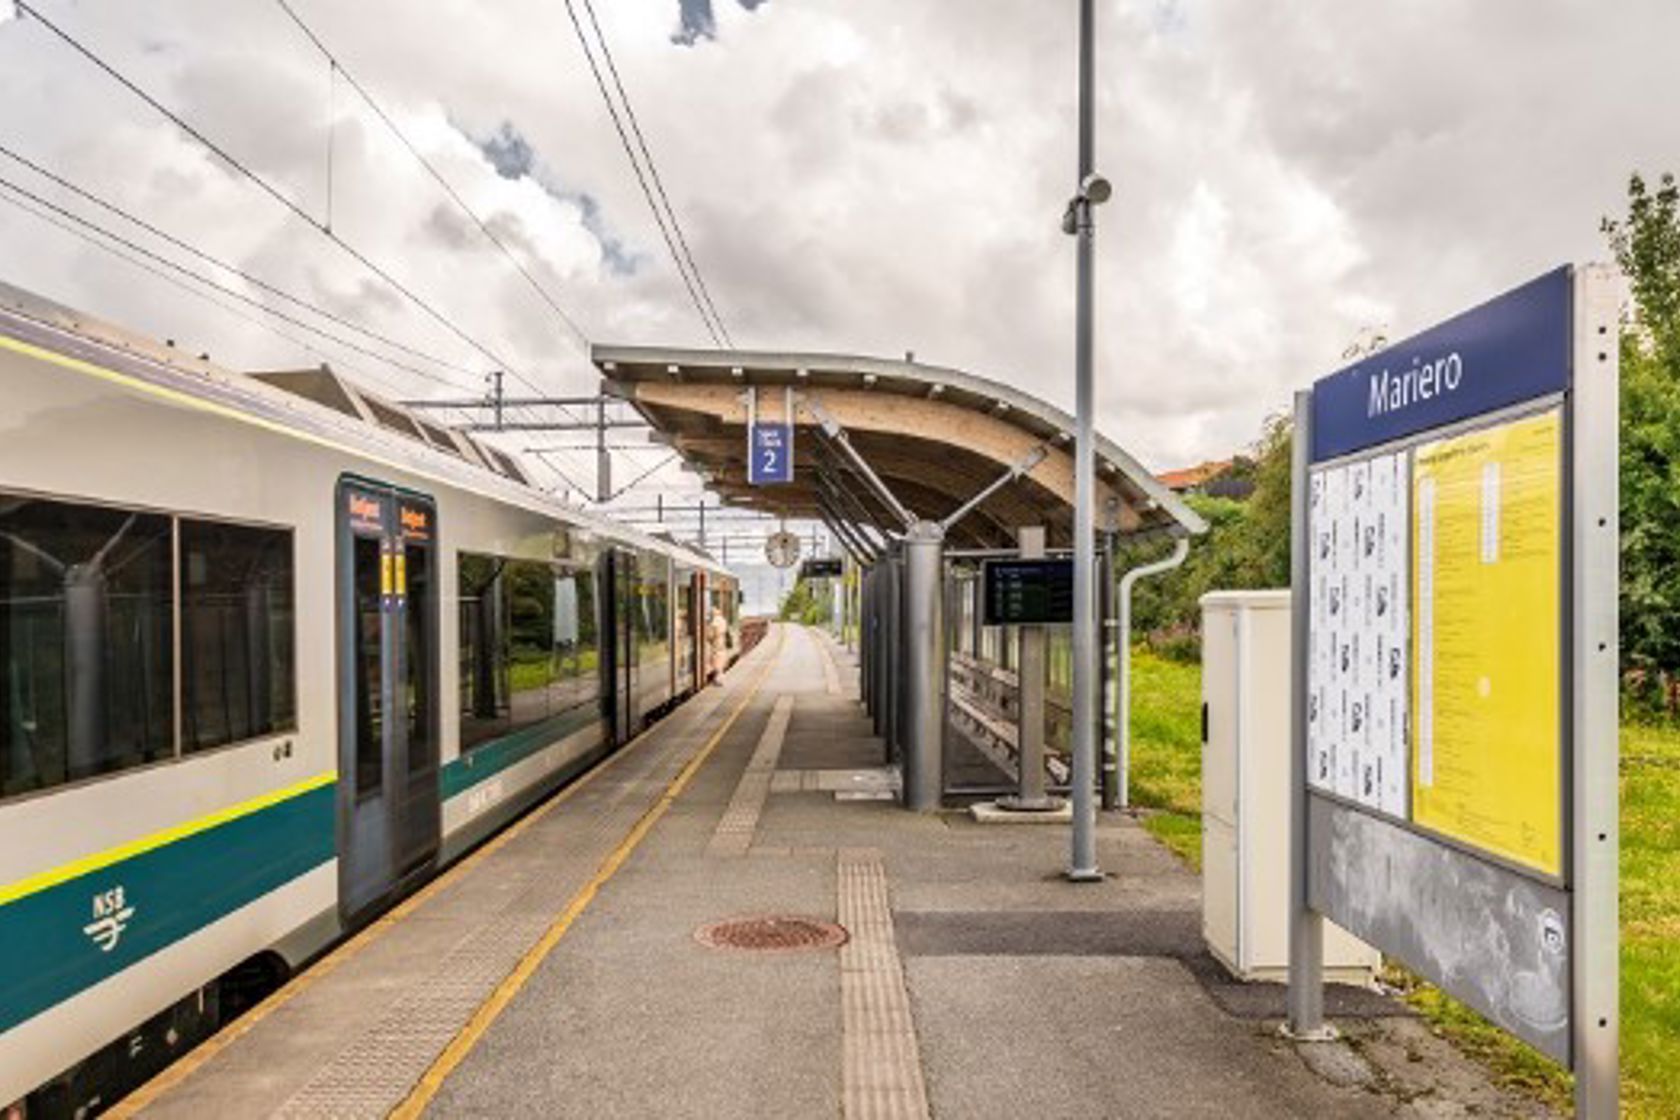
(1080, 222)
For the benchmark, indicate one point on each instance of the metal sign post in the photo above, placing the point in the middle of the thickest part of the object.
(1455, 647)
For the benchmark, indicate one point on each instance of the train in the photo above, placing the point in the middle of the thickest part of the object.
(277, 650)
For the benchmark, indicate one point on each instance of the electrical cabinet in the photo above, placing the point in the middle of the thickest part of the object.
(1246, 691)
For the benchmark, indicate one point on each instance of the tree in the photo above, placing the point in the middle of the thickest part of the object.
(1647, 246)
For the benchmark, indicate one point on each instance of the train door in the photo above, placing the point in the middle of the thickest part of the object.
(388, 691)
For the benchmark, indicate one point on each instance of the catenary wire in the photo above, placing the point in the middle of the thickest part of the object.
(233, 293)
(271, 190)
(255, 281)
(136, 262)
(641, 177)
(343, 71)
(653, 170)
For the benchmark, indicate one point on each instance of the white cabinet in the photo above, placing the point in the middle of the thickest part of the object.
(1245, 793)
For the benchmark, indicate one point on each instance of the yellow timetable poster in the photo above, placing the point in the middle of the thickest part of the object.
(1486, 588)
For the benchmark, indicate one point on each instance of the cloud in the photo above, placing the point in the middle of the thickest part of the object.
(869, 176)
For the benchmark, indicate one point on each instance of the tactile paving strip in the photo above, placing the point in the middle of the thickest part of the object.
(881, 1075)
(740, 820)
(376, 1072)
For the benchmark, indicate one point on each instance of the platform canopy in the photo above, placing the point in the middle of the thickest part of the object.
(935, 440)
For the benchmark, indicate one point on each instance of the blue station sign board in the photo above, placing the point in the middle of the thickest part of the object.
(769, 453)
(1511, 349)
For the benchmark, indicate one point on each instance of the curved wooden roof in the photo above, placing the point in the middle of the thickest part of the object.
(936, 437)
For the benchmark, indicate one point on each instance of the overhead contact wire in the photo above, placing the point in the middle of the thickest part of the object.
(255, 281)
(653, 170)
(271, 190)
(454, 196)
(641, 177)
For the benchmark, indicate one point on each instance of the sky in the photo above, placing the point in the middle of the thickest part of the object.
(859, 176)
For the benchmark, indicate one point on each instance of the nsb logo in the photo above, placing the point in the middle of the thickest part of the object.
(111, 915)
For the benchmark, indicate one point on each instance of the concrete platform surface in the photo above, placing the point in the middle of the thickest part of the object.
(977, 981)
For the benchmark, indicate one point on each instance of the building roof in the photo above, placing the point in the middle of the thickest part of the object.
(1188, 478)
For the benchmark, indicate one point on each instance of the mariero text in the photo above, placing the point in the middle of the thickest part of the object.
(1393, 391)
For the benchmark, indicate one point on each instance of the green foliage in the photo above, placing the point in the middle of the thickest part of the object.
(1647, 246)
(1246, 546)
(808, 602)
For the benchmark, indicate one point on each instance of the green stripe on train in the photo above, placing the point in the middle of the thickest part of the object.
(490, 758)
(65, 939)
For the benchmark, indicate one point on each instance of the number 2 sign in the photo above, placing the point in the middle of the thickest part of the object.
(769, 453)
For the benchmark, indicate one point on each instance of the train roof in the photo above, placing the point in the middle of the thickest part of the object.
(316, 404)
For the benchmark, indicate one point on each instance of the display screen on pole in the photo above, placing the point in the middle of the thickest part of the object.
(769, 453)
(1027, 592)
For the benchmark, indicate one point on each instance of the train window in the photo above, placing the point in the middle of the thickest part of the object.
(86, 623)
(238, 662)
(483, 657)
(529, 587)
(576, 648)
(418, 656)
(369, 666)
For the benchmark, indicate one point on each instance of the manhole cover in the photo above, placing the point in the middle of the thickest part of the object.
(773, 933)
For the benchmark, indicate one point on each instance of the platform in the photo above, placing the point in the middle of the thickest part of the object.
(557, 972)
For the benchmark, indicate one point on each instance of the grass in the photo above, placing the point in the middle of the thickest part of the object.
(1166, 781)
(1166, 774)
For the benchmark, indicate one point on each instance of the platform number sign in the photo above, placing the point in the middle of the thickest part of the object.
(770, 453)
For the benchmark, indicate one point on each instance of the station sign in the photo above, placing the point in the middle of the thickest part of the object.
(1027, 592)
(1458, 749)
(1510, 349)
(770, 453)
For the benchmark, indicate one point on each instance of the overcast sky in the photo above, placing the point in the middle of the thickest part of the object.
(868, 176)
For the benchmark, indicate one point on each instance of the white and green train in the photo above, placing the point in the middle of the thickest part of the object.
(276, 650)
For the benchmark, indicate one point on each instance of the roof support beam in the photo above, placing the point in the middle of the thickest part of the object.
(836, 436)
(1026, 463)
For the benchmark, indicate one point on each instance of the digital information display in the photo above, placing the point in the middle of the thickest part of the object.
(826, 567)
(1027, 592)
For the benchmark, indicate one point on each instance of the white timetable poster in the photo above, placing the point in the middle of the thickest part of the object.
(1357, 667)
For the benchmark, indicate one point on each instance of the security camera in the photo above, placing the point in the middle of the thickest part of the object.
(1095, 189)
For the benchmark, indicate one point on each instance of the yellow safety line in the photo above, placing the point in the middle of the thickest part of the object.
(64, 873)
(462, 1044)
(188, 1064)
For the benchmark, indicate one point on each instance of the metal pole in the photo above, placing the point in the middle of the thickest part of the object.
(1306, 926)
(1594, 654)
(924, 666)
(1082, 866)
(1123, 706)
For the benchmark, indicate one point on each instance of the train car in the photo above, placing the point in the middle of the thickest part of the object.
(276, 650)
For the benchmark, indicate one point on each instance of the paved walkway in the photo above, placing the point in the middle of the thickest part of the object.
(558, 975)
